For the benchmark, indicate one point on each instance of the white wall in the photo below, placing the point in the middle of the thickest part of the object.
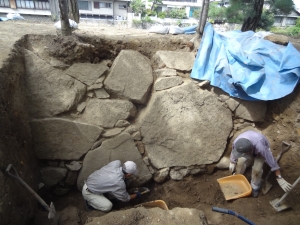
(118, 11)
(102, 11)
(26, 11)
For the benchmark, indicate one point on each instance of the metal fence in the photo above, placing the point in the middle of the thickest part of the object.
(33, 4)
(4, 3)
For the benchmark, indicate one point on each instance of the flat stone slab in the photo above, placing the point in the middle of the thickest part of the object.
(153, 216)
(122, 148)
(101, 93)
(184, 126)
(87, 73)
(165, 72)
(163, 83)
(49, 91)
(107, 112)
(182, 61)
(130, 76)
(252, 110)
(63, 139)
(52, 175)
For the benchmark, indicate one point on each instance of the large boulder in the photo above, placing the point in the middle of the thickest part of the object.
(130, 76)
(153, 216)
(182, 61)
(52, 175)
(87, 73)
(185, 126)
(252, 110)
(63, 139)
(107, 112)
(122, 148)
(48, 91)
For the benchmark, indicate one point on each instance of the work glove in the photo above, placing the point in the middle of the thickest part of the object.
(232, 167)
(286, 186)
(138, 195)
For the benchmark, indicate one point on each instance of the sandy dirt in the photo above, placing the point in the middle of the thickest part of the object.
(203, 191)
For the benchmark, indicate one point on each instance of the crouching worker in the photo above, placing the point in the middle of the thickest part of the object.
(109, 183)
(250, 148)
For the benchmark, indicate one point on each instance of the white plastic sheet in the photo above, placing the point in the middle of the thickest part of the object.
(176, 30)
(14, 16)
(159, 29)
(73, 24)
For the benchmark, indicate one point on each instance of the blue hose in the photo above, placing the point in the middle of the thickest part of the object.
(230, 212)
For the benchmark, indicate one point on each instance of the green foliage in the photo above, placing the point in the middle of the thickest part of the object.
(147, 19)
(148, 12)
(154, 4)
(196, 13)
(298, 22)
(281, 7)
(137, 6)
(216, 12)
(136, 23)
(289, 31)
(176, 13)
(266, 20)
(162, 15)
(237, 11)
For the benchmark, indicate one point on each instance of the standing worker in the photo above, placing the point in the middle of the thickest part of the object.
(109, 181)
(253, 146)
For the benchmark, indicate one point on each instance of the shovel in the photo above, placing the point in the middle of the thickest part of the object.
(53, 215)
(277, 203)
(267, 185)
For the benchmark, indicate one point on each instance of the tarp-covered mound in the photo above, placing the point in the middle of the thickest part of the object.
(246, 66)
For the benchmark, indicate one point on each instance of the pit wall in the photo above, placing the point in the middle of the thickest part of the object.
(110, 140)
(17, 206)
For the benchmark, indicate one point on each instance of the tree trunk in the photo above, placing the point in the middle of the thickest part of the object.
(203, 17)
(252, 21)
(64, 19)
(74, 10)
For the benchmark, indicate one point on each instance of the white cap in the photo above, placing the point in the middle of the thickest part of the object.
(130, 167)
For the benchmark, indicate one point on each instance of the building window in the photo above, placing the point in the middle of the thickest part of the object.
(290, 21)
(278, 19)
(30, 4)
(122, 6)
(98, 5)
(4, 3)
(84, 5)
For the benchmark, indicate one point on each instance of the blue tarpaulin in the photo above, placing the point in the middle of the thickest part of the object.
(245, 65)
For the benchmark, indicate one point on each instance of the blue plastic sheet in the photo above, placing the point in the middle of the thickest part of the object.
(190, 29)
(246, 66)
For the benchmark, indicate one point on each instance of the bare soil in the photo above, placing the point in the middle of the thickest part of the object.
(200, 192)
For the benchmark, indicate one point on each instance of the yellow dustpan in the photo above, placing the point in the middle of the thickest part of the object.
(235, 186)
(157, 203)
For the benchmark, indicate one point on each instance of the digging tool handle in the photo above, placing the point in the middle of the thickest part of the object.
(286, 193)
(230, 212)
(40, 200)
